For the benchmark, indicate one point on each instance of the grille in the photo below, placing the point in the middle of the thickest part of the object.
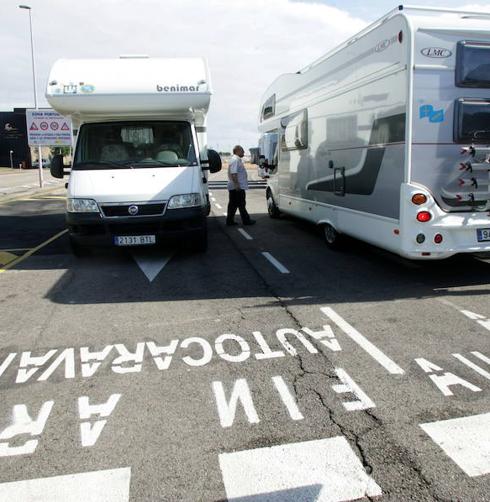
(143, 210)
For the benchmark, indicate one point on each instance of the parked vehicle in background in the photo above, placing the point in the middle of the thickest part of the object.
(139, 173)
(387, 137)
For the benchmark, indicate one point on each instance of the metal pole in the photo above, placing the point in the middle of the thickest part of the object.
(35, 90)
(11, 160)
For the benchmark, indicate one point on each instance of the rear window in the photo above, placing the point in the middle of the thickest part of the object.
(472, 121)
(473, 64)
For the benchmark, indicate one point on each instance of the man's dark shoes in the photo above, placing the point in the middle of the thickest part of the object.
(250, 222)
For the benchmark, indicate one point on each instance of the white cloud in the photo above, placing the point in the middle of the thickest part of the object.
(248, 44)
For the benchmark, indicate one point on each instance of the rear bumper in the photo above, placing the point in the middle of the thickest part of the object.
(175, 225)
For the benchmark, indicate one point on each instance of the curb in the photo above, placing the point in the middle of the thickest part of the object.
(23, 195)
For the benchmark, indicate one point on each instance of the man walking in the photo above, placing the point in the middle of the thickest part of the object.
(237, 184)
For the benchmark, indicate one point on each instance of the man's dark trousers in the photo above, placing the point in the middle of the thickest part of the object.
(237, 201)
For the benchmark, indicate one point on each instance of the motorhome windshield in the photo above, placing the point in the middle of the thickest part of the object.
(132, 145)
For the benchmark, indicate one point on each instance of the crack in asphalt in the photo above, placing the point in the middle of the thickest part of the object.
(354, 438)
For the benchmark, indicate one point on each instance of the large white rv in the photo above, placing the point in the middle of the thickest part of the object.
(139, 173)
(386, 138)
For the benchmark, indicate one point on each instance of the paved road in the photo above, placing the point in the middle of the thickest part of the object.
(269, 368)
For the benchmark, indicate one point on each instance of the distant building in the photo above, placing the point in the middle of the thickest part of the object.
(13, 137)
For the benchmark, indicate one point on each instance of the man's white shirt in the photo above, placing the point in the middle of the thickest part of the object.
(236, 166)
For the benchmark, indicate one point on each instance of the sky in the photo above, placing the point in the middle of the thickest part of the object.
(248, 43)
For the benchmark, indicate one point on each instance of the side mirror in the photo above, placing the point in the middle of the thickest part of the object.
(214, 161)
(255, 155)
(57, 167)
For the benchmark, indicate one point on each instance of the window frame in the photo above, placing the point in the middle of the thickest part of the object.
(460, 56)
(458, 137)
(285, 121)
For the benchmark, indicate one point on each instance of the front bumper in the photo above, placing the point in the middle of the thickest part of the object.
(175, 225)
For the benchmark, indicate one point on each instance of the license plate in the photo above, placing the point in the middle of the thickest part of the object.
(483, 234)
(134, 240)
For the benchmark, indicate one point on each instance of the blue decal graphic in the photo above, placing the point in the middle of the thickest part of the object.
(87, 89)
(434, 116)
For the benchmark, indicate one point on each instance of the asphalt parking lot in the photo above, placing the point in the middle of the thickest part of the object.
(269, 368)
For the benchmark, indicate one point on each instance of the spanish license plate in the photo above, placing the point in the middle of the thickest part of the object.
(134, 240)
(483, 234)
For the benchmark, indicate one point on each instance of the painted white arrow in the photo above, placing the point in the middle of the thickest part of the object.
(150, 262)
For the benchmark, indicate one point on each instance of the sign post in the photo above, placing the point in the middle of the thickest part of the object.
(47, 128)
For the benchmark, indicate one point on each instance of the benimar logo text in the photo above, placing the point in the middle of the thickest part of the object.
(177, 88)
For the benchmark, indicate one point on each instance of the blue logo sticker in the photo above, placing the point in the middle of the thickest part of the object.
(87, 89)
(434, 116)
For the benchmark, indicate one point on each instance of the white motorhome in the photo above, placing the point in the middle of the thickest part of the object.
(139, 173)
(386, 138)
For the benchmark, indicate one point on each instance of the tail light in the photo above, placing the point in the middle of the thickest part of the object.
(424, 216)
(438, 238)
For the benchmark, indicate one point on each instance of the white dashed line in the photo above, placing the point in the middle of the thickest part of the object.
(218, 206)
(245, 234)
(276, 263)
(213, 199)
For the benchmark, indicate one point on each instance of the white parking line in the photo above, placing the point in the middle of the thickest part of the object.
(218, 206)
(213, 199)
(363, 342)
(245, 234)
(276, 263)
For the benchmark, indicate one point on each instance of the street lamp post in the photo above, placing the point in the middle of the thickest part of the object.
(11, 160)
(35, 91)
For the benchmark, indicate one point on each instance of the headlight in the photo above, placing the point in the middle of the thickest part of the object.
(82, 206)
(184, 200)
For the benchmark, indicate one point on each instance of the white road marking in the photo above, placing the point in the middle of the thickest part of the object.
(287, 398)
(325, 470)
(276, 263)
(218, 205)
(480, 319)
(348, 386)
(225, 214)
(473, 366)
(245, 234)
(151, 264)
(466, 441)
(110, 486)
(213, 199)
(482, 357)
(445, 381)
(363, 342)
(227, 407)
